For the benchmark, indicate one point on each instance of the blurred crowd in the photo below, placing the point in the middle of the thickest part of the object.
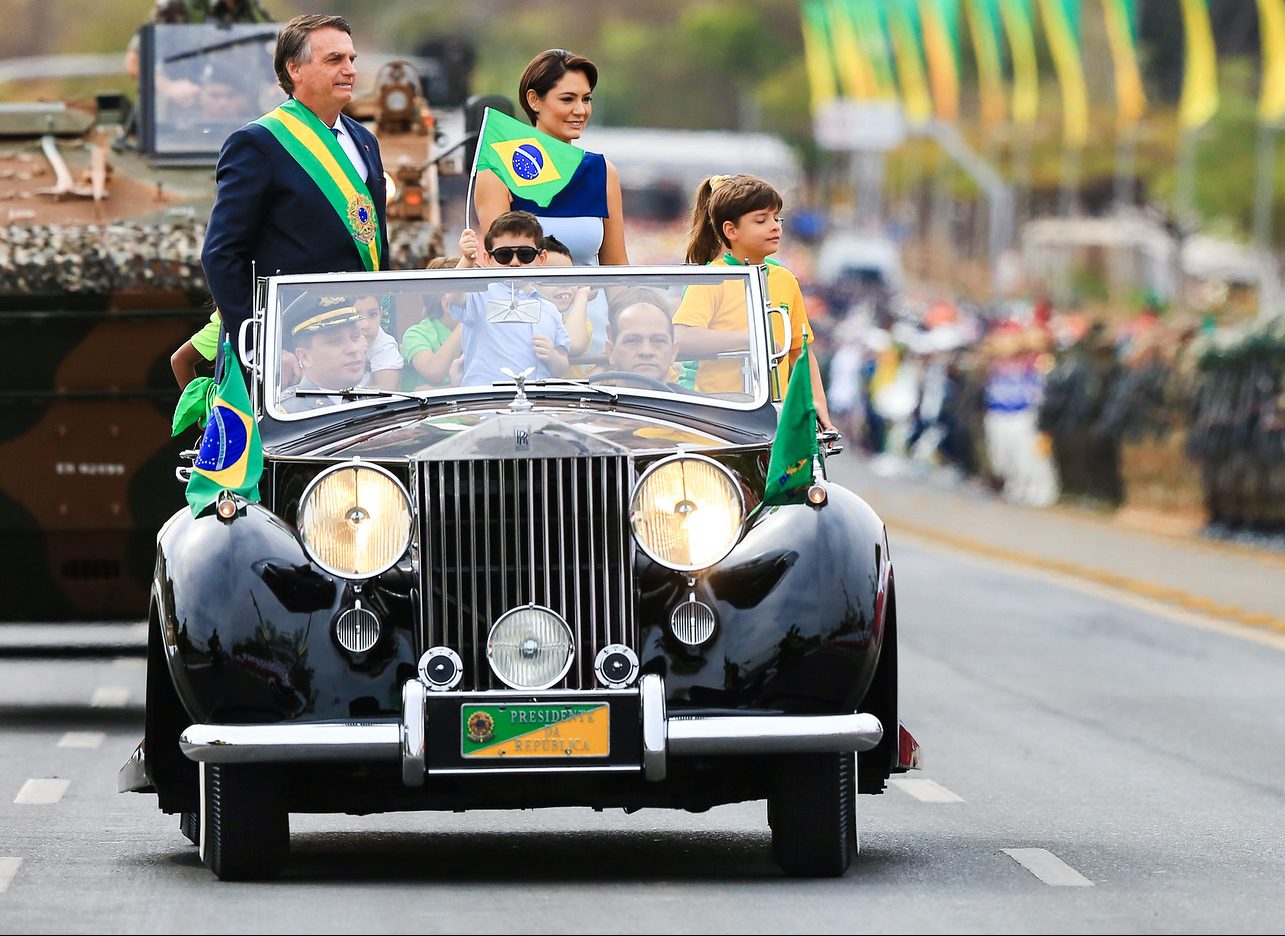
(1042, 405)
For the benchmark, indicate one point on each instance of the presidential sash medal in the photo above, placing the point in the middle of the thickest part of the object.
(361, 218)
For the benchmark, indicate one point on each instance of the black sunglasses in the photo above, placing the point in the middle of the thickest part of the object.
(504, 255)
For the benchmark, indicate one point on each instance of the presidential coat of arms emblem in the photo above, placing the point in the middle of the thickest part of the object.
(481, 727)
(361, 218)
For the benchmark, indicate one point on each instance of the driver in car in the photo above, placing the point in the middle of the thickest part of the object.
(640, 340)
(325, 336)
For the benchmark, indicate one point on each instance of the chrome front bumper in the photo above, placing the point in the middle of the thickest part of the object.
(403, 740)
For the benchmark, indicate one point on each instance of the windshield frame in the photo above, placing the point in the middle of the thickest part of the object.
(268, 335)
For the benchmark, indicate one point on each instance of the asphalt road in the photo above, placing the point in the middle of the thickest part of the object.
(1092, 765)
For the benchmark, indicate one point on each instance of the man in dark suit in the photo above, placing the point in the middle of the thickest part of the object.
(289, 199)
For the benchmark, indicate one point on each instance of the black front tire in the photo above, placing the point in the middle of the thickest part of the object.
(245, 828)
(812, 810)
(189, 823)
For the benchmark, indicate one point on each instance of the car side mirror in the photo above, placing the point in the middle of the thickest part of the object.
(787, 331)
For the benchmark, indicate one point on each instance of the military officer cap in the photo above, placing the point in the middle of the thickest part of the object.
(311, 315)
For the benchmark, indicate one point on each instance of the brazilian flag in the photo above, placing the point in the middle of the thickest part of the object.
(533, 165)
(230, 457)
(795, 447)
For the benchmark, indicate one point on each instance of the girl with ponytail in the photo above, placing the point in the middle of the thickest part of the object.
(736, 220)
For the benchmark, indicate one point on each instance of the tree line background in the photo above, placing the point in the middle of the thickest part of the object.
(738, 65)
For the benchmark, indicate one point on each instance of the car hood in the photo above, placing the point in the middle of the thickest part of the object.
(540, 433)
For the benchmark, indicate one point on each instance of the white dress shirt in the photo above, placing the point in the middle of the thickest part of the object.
(349, 146)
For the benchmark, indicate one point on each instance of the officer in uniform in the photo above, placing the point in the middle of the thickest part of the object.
(325, 335)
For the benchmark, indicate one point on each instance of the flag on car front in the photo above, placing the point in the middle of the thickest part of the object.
(230, 457)
(533, 165)
(795, 447)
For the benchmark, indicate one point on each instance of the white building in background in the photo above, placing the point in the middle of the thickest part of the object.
(660, 169)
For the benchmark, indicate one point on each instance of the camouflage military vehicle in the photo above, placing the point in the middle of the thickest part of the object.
(102, 213)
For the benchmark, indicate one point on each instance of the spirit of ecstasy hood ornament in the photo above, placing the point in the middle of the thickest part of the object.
(520, 401)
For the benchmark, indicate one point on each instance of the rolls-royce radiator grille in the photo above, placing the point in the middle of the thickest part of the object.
(496, 535)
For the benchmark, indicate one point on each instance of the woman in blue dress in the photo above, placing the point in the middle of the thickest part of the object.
(556, 91)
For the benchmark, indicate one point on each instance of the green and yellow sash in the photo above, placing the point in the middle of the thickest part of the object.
(315, 149)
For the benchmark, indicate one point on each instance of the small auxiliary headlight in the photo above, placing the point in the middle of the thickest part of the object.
(355, 520)
(225, 507)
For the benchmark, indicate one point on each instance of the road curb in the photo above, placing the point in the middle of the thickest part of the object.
(1160, 593)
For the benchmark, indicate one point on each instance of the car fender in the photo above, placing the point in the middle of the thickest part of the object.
(799, 604)
(247, 621)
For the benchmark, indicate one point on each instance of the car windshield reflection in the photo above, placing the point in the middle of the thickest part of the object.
(690, 333)
(204, 81)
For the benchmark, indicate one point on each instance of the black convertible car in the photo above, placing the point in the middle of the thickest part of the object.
(538, 570)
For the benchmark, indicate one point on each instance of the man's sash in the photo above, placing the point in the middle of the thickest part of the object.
(315, 149)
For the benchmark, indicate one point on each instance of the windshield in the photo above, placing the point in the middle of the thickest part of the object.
(695, 333)
(201, 82)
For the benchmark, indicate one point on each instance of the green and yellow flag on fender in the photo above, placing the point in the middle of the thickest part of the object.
(315, 149)
(230, 457)
(531, 163)
(789, 467)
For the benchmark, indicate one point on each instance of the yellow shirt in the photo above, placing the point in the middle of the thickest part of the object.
(722, 308)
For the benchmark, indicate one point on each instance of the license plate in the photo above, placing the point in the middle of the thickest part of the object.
(544, 730)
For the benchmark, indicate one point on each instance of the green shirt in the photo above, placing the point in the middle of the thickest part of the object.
(428, 335)
(206, 341)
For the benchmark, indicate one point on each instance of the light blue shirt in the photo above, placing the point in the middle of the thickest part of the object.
(489, 346)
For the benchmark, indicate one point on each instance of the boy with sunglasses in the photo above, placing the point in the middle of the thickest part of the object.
(535, 337)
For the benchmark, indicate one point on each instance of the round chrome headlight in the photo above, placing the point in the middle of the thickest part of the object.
(687, 512)
(355, 520)
(530, 648)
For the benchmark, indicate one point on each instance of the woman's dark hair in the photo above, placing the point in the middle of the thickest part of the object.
(720, 199)
(294, 43)
(547, 69)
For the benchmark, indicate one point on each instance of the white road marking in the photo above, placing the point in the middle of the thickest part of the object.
(128, 661)
(1048, 867)
(82, 739)
(42, 791)
(8, 870)
(927, 791)
(110, 697)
